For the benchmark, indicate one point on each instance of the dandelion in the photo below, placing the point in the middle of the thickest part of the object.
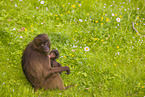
(56, 15)
(80, 20)
(115, 14)
(25, 29)
(61, 14)
(95, 38)
(86, 48)
(96, 21)
(118, 47)
(120, 16)
(88, 14)
(57, 18)
(31, 26)
(72, 55)
(107, 19)
(79, 5)
(131, 61)
(68, 11)
(118, 19)
(102, 40)
(114, 64)
(142, 86)
(63, 5)
(73, 6)
(42, 2)
(101, 23)
(136, 23)
(64, 56)
(32, 30)
(137, 17)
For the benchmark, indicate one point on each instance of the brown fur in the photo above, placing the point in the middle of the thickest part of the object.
(36, 65)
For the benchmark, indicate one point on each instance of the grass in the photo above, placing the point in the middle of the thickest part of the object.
(114, 66)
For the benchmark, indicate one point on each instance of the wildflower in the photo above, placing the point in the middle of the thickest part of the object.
(72, 55)
(114, 64)
(136, 23)
(95, 38)
(80, 20)
(15, 5)
(21, 36)
(118, 19)
(64, 56)
(118, 47)
(103, 13)
(42, 2)
(3, 83)
(14, 29)
(63, 5)
(31, 26)
(37, 7)
(32, 30)
(68, 11)
(112, 14)
(120, 16)
(88, 14)
(86, 48)
(79, 5)
(57, 18)
(142, 86)
(101, 23)
(102, 18)
(107, 19)
(102, 40)
(61, 14)
(137, 17)
(41, 23)
(131, 61)
(137, 8)
(56, 15)
(73, 6)
(96, 21)
(25, 29)
(115, 14)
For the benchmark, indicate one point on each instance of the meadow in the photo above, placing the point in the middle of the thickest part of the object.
(95, 39)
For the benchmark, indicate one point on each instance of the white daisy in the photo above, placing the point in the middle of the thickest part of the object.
(86, 48)
(42, 2)
(80, 20)
(118, 19)
(112, 14)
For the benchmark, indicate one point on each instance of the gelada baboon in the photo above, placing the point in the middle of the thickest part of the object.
(54, 54)
(36, 65)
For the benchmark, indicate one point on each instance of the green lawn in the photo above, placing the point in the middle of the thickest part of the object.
(95, 39)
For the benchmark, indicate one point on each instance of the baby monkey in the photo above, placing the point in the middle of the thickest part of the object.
(54, 54)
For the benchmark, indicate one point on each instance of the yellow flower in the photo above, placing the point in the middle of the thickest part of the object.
(102, 18)
(142, 86)
(88, 14)
(57, 18)
(63, 5)
(120, 16)
(96, 21)
(137, 17)
(25, 29)
(131, 61)
(136, 23)
(32, 30)
(61, 14)
(101, 23)
(114, 64)
(115, 14)
(31, 26)
(79, 5)
(95, 38)
(72, 55)
(107, 19)
(96, 0)
(118, 47)
(73, 6)
(137, 33)
(76, 31)
(102, 40)
(64, 56)
(68, 11)
(56, 15)
(103, 13)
